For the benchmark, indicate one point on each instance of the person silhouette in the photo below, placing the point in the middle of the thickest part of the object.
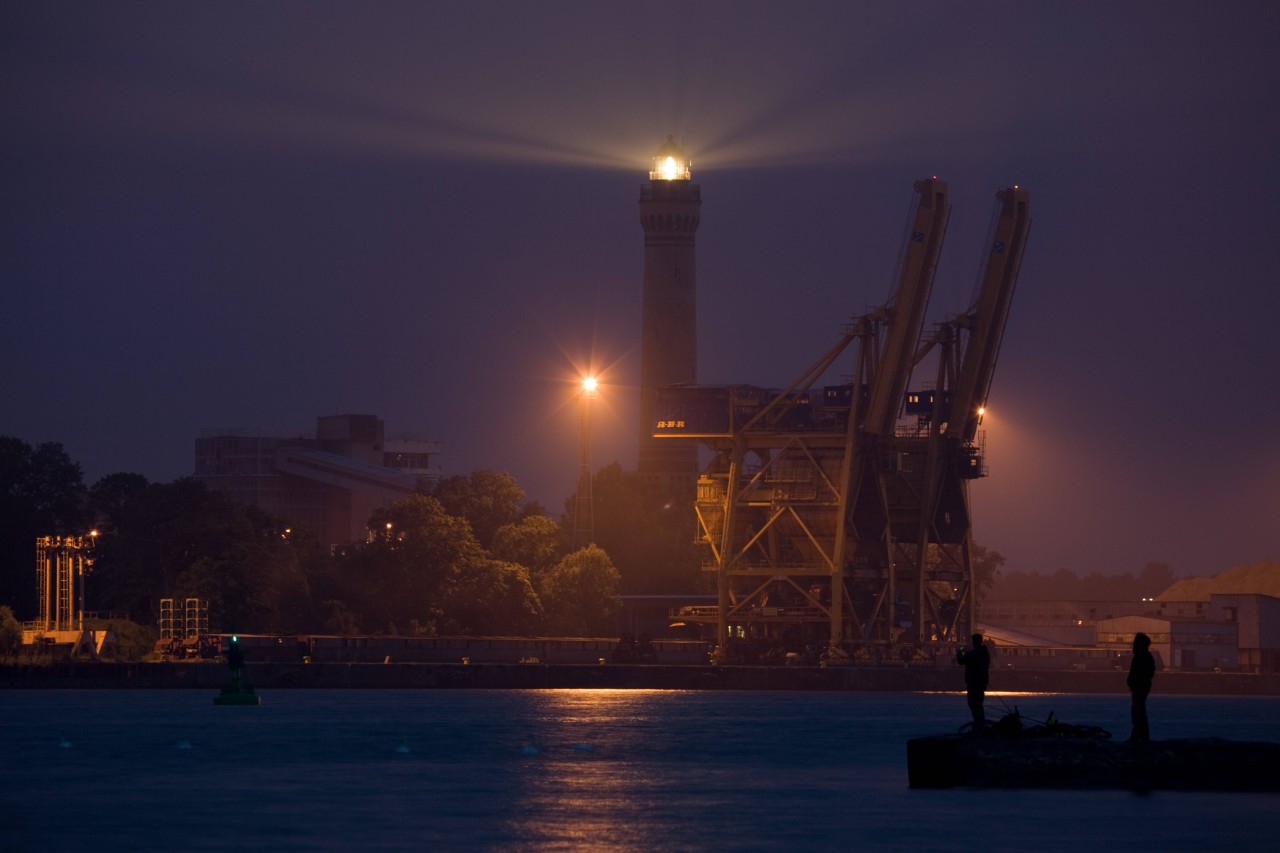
(976, 662)
(1141, 672)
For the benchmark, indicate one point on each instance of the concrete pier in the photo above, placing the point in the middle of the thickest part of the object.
(1202, 764)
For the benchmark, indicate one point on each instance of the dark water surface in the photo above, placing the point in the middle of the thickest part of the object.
(572, 770)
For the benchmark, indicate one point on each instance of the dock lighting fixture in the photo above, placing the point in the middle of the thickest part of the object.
(583, 504)
(670, 163)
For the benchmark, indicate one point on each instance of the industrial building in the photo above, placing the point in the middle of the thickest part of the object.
(1231, 632)
(1234, 632)
(1059, 622)
(61, 564)
(329, 481)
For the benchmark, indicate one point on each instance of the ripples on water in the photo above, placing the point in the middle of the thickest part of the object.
(570, 770)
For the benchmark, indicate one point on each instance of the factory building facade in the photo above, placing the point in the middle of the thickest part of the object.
(329, 481)
(1228, 633)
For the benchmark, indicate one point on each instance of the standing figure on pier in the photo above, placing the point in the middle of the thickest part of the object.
(976, 662)
(1141, 672)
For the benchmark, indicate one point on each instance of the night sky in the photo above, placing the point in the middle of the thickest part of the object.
(251, 214)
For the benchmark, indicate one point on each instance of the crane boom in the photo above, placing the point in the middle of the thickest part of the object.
(906, 311)
(987, 317)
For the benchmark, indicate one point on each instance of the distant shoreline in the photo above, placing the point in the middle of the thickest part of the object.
(344, 676)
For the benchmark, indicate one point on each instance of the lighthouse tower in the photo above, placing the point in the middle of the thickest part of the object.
(669, 207)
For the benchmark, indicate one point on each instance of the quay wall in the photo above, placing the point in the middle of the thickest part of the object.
(209, 675)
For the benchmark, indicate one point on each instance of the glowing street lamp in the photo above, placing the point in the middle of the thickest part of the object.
(583, 508)
(86, 565)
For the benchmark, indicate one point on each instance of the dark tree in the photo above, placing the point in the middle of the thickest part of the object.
(407, 572)
(111, 495)
(986, 570)
(1154, 579)
(491, 597)
(10, 633)
(1065, 585)
(41, 494)
(179, 540)
(535, 542)
(487, 500)
(580, 595)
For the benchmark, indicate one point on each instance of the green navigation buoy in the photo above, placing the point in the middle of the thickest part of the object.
(239, 691)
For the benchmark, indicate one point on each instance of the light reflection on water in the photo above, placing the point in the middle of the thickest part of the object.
(568, 770)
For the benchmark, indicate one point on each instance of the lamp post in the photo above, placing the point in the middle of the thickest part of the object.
(583, 510)
(85, 564)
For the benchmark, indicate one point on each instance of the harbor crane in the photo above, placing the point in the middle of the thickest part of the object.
(837, 528)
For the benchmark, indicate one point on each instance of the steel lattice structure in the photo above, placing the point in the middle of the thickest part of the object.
(837, 527)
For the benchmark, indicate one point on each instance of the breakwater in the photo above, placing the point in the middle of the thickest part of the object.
(277, 675)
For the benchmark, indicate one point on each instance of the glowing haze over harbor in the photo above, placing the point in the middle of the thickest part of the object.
(250, 214)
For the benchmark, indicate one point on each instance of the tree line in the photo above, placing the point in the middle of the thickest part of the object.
(1065, 585)
(467, 556)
